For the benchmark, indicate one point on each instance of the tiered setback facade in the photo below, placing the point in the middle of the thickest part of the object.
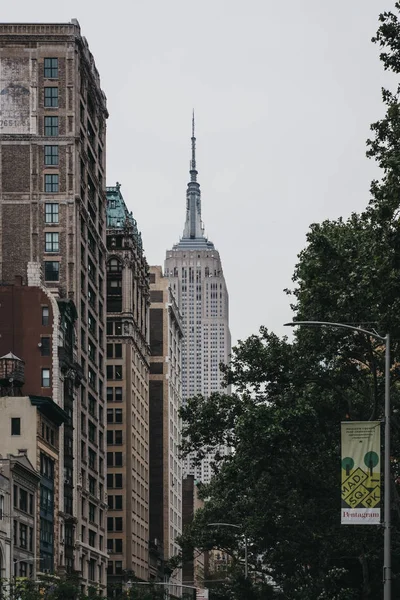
(194, 269)
(127, 395)
(53, 232)
(166, 336)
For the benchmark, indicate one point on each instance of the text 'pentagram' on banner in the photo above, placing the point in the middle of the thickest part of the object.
(361, 473)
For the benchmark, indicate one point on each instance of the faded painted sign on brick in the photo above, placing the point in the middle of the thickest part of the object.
(15, 96)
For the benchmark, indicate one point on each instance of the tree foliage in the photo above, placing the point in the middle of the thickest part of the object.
(282, 481)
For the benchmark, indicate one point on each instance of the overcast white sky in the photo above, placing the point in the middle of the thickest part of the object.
(284, 92)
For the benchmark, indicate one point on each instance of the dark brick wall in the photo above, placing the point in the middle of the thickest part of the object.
(15, 241)
(156, 516)
(16, 168)
(21, 330)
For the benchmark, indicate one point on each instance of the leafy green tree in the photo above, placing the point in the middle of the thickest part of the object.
(282, 482)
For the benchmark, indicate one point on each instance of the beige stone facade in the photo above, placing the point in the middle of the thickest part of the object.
(166, 335)
(52, 234)
(127, 396)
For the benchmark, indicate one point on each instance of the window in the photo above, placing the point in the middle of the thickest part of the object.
(92, 538)
(51, 126)
(92, 431)
(51, 270)
(45, 377)
(118, 545)
(1, 507)
(114, 266)
(118, 394)
(92, 459)
(92, 403)
(92, 569)
(23, 500)
(51, 242)
(118, 502)
(51, 183)
(110, 394)
(45, 346)
(118, 480)
(51, 155)
(92, 512)
(118, 350)
(110, 480)
(51, 68)
(118, 437)
(110, 350)
(46, 466)
(118, 523)
(51, 97)
(118, 459)
(118, 415)
(110, 415)
(92, 485)
(51, 210)
(45, 315)
(15, 426)
(110, 459)
(118, 567)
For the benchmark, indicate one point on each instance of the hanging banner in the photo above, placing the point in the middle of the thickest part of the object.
(361, 473)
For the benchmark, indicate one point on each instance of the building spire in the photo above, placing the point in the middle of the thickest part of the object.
(193, 171)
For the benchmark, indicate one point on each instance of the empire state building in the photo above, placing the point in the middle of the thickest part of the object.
(194, 269)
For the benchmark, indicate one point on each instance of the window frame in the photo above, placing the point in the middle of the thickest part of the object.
(52, 242)
(15, 426)
(51, 126)
(51, 96)
(51, 155)
(51, 183)
(55, 272)
(44, 378)
(52, 215)
(50, 68)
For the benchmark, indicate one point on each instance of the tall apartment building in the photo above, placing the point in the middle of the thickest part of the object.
(52, 235)
(195, 271)
(127, 395)
(166, 335)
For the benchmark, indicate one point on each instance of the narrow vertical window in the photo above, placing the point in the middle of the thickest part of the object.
(45, 315)
(51, 212)
(51, 155)
(51, 68)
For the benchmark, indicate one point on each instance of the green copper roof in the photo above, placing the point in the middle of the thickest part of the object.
(118, 216)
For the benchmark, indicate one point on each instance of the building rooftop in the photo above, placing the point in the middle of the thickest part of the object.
(118, 215)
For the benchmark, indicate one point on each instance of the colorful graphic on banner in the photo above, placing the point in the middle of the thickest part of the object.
(361, 473)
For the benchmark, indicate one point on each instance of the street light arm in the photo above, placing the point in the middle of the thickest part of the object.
(224, 525)
(332, 324)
